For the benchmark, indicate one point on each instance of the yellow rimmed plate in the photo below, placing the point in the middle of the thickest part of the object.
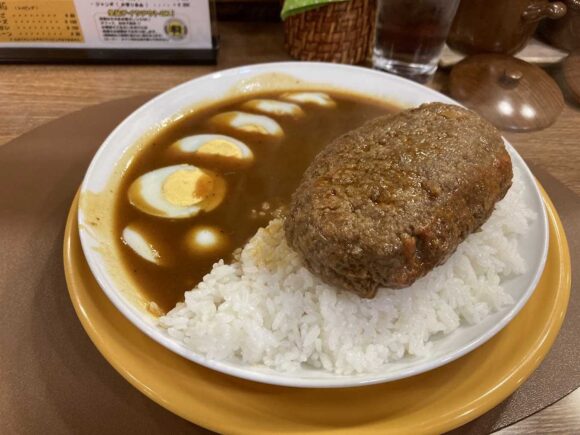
(435, 401)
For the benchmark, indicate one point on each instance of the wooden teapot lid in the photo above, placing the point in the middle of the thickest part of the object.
(510, 93)
(571, 68)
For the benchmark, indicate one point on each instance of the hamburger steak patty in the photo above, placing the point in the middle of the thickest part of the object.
(384, 204)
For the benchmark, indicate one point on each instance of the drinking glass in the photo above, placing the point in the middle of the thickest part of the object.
(410, 36)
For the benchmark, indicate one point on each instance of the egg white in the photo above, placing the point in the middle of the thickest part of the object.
(205, 238)
(133, 238)
(192, 144)
(249, 123)
(274, 107)
(318, 98)
(146, 194)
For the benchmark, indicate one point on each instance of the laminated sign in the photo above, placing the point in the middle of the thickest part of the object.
(105, 30)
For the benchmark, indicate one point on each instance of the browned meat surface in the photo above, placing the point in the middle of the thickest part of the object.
(384, 204)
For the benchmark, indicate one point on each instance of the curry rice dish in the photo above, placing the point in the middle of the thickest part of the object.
(287, 295)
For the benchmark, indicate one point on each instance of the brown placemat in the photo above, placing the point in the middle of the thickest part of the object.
(53, 380)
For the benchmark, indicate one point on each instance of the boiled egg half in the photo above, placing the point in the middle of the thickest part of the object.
(177, 192)
(214, 145)
(318, 98)
(248, 123)
(205, 239)
(134, 238)
(274, 108)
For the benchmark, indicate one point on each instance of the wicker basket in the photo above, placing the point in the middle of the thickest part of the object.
(337, 32)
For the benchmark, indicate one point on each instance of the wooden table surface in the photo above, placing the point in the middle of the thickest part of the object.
(32, 95)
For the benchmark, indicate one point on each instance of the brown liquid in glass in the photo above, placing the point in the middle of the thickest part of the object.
(411, 31)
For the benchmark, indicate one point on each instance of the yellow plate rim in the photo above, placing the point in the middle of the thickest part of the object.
(473, 408)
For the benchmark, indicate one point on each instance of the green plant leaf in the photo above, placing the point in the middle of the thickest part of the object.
(293, 7)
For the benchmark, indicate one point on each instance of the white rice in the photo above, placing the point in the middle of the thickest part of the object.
(267, 309)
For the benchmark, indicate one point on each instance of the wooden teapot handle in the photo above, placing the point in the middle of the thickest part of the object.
(536, 12)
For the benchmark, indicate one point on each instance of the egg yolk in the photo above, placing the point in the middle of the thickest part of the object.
(185, 188)
(220, 147)
(254, 128)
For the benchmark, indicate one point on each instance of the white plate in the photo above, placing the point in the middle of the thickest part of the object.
(115, 153)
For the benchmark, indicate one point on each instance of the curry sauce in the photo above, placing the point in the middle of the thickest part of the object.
(255, 190)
